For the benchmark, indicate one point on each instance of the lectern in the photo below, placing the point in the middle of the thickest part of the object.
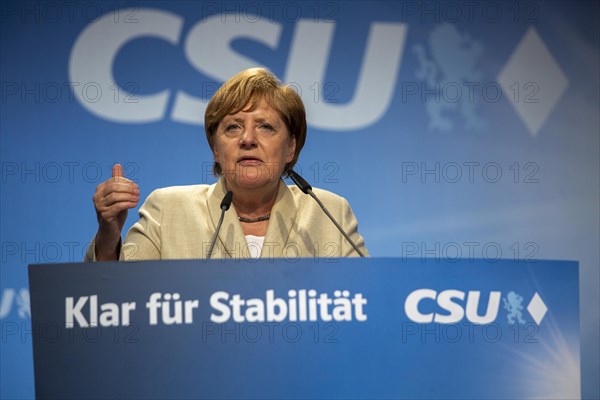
(306, 328)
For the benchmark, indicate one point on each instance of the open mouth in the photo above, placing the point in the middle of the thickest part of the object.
(249, 160)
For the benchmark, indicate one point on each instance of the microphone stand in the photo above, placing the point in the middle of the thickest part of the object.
(225, 204)
(306, 188)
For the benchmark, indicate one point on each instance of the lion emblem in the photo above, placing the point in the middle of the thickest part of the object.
(513, 304)
(455, 57)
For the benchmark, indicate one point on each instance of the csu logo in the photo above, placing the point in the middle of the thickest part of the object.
(450, 302)
(452, 306)
(207, 47)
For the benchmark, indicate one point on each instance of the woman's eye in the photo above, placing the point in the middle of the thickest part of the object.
(266, 127)
(232, 127)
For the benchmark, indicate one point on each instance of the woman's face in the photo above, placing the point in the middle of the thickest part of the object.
(253, 147)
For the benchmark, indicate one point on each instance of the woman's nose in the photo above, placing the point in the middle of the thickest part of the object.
(248, 138)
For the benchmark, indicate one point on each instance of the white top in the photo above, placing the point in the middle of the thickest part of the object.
(255, 244)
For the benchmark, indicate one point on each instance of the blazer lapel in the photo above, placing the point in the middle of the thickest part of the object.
(231, 238)
(283, 216)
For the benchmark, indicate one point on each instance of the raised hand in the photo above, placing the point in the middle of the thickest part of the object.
(112, 199)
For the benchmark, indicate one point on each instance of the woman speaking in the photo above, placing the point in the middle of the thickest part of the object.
(256, 128)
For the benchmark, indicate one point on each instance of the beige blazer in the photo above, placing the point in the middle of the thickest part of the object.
(179, 222)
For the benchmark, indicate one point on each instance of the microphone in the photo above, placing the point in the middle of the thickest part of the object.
(306, 188)
(225, 204)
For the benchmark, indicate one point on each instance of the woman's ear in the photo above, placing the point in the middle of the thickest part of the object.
(292, 150)
(215, 154)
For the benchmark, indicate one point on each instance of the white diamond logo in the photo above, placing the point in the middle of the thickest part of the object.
(532, 81)
(537, 309)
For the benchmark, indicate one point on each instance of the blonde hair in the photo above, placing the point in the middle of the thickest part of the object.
(247, 88)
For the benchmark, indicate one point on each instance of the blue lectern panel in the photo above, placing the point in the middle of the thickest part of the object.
(366, 328)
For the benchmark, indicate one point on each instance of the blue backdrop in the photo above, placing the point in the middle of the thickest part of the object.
(455, 129)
